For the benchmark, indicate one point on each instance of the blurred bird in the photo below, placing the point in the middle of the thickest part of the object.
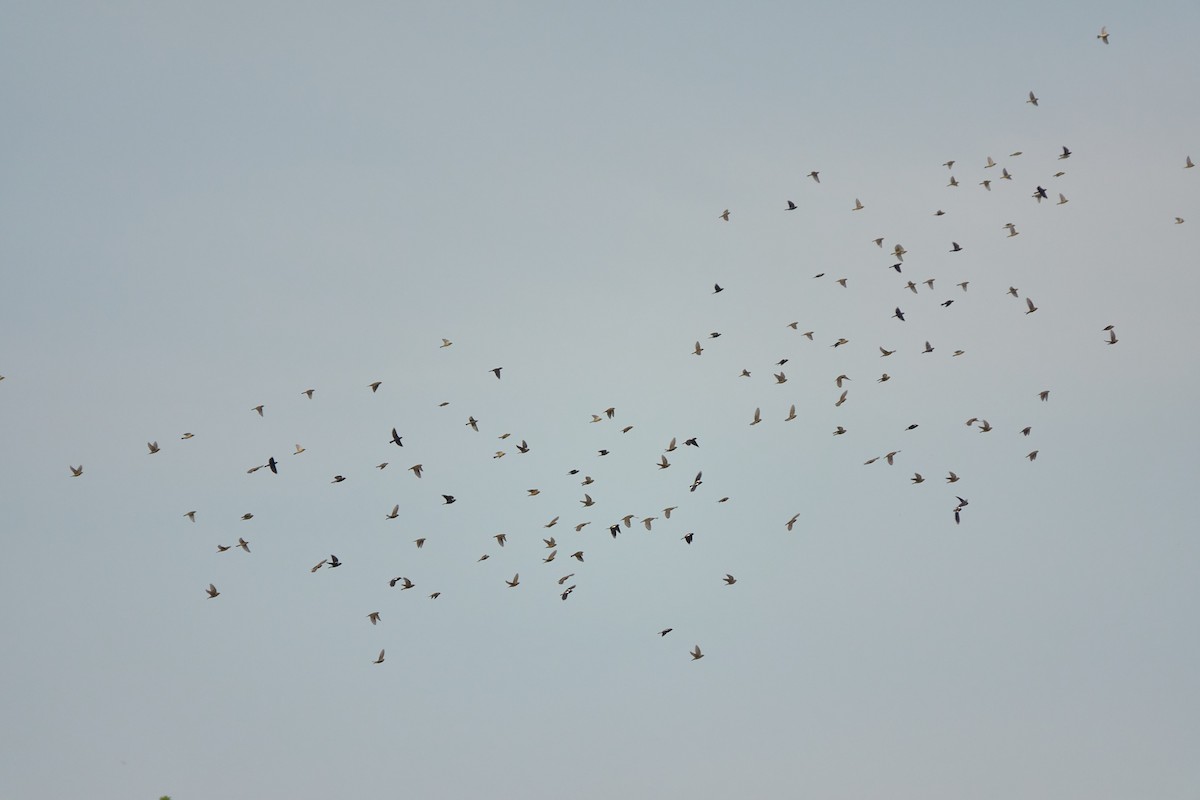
(212, 591)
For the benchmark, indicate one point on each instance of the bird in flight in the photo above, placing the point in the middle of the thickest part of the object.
(212, 591)
(1044, 395)
(816, 176)
(395, 512)
(791, 206)
(1103, 35)
(1032, 307)
(695, 651)
(729, 579)
(757, 417)
(415, 469)
(515, 582)
(1032, 99)
(446, 343)
(374, 617)
(724, 215)
(449, 498)
(77, 471)
(1012, 229)
(378, 660)
(792, 521)
(259, 409)
(496, 372)
(375, 386)
(718, 288)
(858, 206)
(153, 446)
(396, 437)
(1064, 154)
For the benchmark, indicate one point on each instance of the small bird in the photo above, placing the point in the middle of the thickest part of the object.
(718, 288)
(1188, 163)
(378, 660)
(259, 409)
(990, 163)
(841, 399)
(698, 349)
(1032, 99)
(1012, 229)
(1179, 220)
(1103, 35)
(963, 285)
(308, 393)
(953, 182)
(791, 206)
(692, 442)
(1044, 395)
(884, 353)
(695, 652)
(928, 347)
(77, 471)
(415, 469)
(916, 478)
(792, 521)
(947, 304)
(395, 512)
(396, 437)
(375, 386)
(842, 282)
(791, 413)
(496, 372)
(472, 423)
(729, 579)
(1032, 455)
(188, 436)
(247, 516)
(1112, 338)
(757, 417)
(610, 411)
(955, 247)
(1005, 174)
(1062, 199)
(578, 556)
(588, 501)
(221, 548)
(878, 242)
(951, 478)
(665, 631)
(949, 165)
(602, 452)
(891, 457)
(333, 562)
(534, 492)
(381, 465)
(667, 511)
(695, 483)
(446, 343)
(1026, 430)
(912, 287)
(900, 314)
(338, 478)
(153, 447)
(884, 378)
(687, 537)
(190, 515)
(318, 565)
(242, 543)
(1039, 194)
(273, 465)
(419, 542)
(212, 591)
(858, 206)
(647, 520)
(724, 215)
(780, 377)
(374, 617)
(816, 176)
(1064, 154)
(840, 430)
(435, 595)
(913, 426)
(840, 342)
(516, 581)
(550, 557)
(449, 498)
(299, 450)
(1032, 307)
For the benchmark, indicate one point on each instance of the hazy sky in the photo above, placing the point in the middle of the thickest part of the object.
(207, 207)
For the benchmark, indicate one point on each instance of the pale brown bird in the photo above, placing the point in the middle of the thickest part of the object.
(1044, 394)
(446, 343)
(1032, 455)
(395, 512)
(757, 417)
(534, 492)
(565, 578)
(551, 523)
(724, 215)
(259, 409)
(884, 353)
(780, 377)
(858, 206)
(501, 538)
(374, 617)
(647, 520)
(587, 500)
(299, 450)
(1032, 307)
(581, 526)
(1103, 35)
(667, 511)
(153, 447)
(473, 423)
(549, 558)
(242, 543)
(516, 581)
(550, 543)
(663, 463)
(791, 413)
(191, 515)
(891, 457)
(188, 436)
(308, 393)
(221, 548)
(698, 350)
(212, 591)
(77, 471)
(951, 478)
(578, 556)
(375, 386)
(1112, 337)
(792, 521)
(319, 564)
(695, 653)
(419, 542)
(416, 469)
(841, 399)
(378, 660)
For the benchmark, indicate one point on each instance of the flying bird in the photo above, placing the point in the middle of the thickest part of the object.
(729, 579)
(308, 393)
(496, 372)
(396, 437)
(375, 386)
(446, 343)
(1103, 35)
(77, 471)
(259, 409)
(724, 215)
(242, 543)
(374, 617)
(757, 417)
(858, 206)
(1032, 307)
(153, 447)
(415, 469)
(791, 206)
(1044, 395)
(212, 591)
(516, 581)
(299, 450)
(1032, 99)
(695, 652)
(449, 498)
(792, 521)
(395, 512)
(1064, 154)
(378, 660)
(816, 176)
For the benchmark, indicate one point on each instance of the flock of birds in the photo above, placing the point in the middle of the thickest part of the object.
(669, 456)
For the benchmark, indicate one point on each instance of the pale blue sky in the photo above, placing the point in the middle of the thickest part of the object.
(206, 208)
